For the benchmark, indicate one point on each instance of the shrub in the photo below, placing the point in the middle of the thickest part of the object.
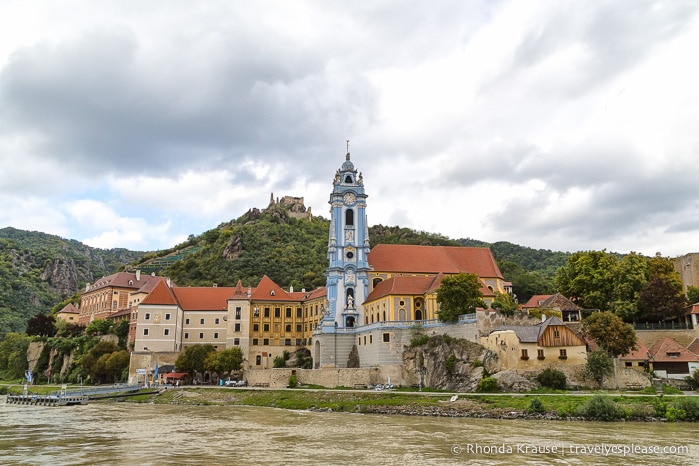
(690, 408)
(601, 408)
(476, 363)
(659, 406)
(536, 406)
(552, 378)
(488, 384)
(3, 390)
(293, 381)
(670, 390)
(450, 363)
(279, 361)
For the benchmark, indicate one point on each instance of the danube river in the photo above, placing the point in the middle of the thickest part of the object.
(134, 434)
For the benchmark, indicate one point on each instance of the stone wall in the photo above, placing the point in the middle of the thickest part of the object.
(325, 377)
(487, 321)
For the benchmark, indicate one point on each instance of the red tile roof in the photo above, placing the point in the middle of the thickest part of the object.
(405, 286)
(204, 298)
(405, 258)
(639, 354)
(161, 294)
(535, 300)
(661, 350)
(69, 309)
(267, 290)
(694, 346)
(124, 280)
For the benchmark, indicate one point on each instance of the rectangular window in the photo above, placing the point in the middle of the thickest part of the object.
(359, 341)
(298, 342)
(217, 321)
(186, 335)
(628, 364)
(299, 312)
(201, 336)
(167, 316)
(236, 341)
(166, 332)
(287, 328)
(287, 342)
(145, 331)
(265, 341)
(386, 337)
(563, 354)
(277, 312)
(525, 354)
(186, 321)
(254, 342)
(266, 312)
(556, 334)
(371, 339)
(237, 328)
(540, 354)
(147, 316)
(238, 310)
(265, 327)
(201, 321)
(255, 327)
(299, 328)
(288, 313)
(215, 334)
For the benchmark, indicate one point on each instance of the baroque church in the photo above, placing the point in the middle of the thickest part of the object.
(373, 299)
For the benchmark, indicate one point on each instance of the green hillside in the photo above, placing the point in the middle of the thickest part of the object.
(38, 270)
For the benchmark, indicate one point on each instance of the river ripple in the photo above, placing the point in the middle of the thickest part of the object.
(135, 434)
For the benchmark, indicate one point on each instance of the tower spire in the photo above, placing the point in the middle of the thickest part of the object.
(348, 154)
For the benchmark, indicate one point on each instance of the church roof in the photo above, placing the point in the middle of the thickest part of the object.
(409, 258)
(405, 286)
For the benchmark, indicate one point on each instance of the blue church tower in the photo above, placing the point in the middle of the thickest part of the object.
(348, 247)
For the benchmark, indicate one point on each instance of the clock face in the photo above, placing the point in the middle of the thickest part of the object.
(349, 198)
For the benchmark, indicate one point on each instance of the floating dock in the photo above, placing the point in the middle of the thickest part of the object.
(47, 400)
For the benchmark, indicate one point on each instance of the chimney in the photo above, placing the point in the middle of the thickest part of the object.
(87, 287)
(291, 289)
(543, 317)
(215, 285)
(138, 275)
(167, 282)
(249, 291)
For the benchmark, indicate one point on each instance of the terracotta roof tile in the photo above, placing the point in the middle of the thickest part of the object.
(161, 294)
(535, 300)
(402, 286)
(661, 351)
(639, 354)
(267, 290)
(69, 309)
(694, 346)
(203, 298)
(407, 258)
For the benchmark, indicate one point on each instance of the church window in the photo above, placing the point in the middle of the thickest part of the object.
(348, 179)
(349, 217)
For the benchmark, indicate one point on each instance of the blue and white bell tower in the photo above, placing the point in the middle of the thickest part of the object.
(348, 246)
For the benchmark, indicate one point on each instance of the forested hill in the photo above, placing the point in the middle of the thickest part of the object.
(38, 271)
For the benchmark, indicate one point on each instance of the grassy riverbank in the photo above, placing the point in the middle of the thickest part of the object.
(608, 407)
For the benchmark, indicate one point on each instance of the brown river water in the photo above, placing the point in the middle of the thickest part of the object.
(135, 434)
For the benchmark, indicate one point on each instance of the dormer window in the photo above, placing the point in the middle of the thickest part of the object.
(271, 293)
(130, 282)
(673, 355)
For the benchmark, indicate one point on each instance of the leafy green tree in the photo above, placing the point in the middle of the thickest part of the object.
(459, 294)
(599, 365)
(552, 378)
(588, 279)
(661, 299)
(98, 327)
(192, 359)
(629, 279)
(504, 303)
(13, 354)
(41, 325)
(693, 294)
(93, 364)
(116, 364)
(225, 361)
(610, 332)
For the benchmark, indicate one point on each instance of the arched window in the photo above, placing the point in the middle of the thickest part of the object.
(348, 179)
(418, 315)
(349, 217)
(376, 281)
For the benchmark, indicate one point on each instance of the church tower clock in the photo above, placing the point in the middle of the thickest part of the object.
(348, 246)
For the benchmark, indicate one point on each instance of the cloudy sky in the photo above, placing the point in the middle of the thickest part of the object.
(563, 125)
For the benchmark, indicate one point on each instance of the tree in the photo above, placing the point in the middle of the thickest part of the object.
(610, 332)
(629, 279)
(41, 325)
(459, 294)
(98, 327)
(93, 364)
(661, 299)
(116, 363)
(693, 294)
(587, 278)
(599, 365)
(225, 361)
(13, 354)
(504, 303)
(192, 359)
